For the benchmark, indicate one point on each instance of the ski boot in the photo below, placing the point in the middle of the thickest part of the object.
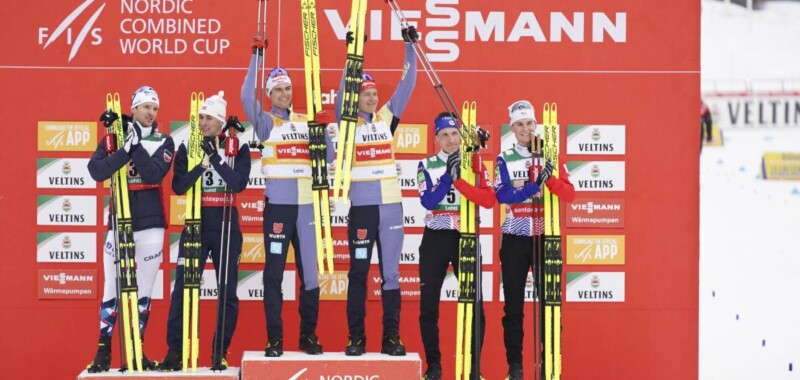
(219, 364)
(392, 345)
(434, 372)
(102, 360)
(274, 348)
(172, 362)
(310, 344)
(357, 345)
(514, 371)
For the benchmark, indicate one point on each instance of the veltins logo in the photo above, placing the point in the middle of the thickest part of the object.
(63, 173)
(48, 35)
(595, 286)
(597, 175)
(72, 247)
(596, 139)
(595, 249)
(74, 210)
(67, 136)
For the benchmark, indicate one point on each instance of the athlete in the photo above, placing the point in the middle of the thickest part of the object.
(147, 154)
(440, 190)
(224, 247)
(516, 187)
(288, 213)
(376, 211)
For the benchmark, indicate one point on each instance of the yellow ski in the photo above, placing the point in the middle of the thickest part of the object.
(352, 88)
(552, 252)
(316, 138)
(192, 242)
(122, 225)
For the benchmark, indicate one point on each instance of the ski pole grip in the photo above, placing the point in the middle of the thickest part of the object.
(110, 143)
(231, 146)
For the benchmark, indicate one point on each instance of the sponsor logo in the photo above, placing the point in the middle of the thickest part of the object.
(596, 212)
(361, 253)
(49, 35)
(275, 248)
(595, 286)
(595, 249)
(411, 138)
(67, 136)
(277, 227)
(67, 283)
(361, 233)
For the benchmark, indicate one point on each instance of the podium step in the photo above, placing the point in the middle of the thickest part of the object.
(330, 366)
(232, 373)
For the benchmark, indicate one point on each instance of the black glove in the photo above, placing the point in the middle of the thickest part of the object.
(483, 137)
(233, 122)
(410, 34)
(454, 165)
(108, 118)
(210, 146)
(545, 174)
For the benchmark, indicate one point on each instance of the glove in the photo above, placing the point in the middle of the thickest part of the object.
(133, 138)
(454, 165)
(258, 45)
(482, 137)
(545, 174)
(410, 34)
(322, 117)
(233, 122)
(108, 118)
(348, 38)
(210, 146)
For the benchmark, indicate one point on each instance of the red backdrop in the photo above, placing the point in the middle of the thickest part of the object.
(645, 77)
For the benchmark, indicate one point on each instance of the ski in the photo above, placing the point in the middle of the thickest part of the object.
(552, 252)
(469, 275)
(125, 250)
(352, 88)
(537, 164)
(316, 138)
(192, 242)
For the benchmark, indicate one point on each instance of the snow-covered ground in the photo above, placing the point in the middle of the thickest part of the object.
(749, 246)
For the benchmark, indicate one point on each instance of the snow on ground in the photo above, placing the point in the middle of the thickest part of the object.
(749, 228)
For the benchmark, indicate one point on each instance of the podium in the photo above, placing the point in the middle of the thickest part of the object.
(333, 366)
(232, 373)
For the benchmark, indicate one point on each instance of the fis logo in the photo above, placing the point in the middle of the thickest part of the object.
(47, 35)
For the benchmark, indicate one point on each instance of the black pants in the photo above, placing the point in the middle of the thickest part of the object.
(516, 257)
(284, 224)
(438, 251)
(210, 244)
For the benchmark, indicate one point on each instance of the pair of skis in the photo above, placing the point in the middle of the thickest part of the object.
(352, 87)
(547, 265)
(316, 138)
(125, 248)
(469, 259)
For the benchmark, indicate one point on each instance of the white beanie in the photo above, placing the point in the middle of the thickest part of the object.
(145, 94)
(520, 110)
(215, 107)
(277, 76)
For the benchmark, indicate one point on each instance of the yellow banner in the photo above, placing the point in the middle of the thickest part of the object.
(781, 165)
(411, 138)
(67, 136)
(177, 210)
(253, 249)
(595, 249)
(333, 286)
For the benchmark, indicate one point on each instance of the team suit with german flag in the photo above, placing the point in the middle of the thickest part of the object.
(440, 191)
(288, 213)
(148, 155)
(515, 188)
(376, 211)
(215, 177)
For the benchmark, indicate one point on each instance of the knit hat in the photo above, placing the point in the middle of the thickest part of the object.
(215, 106)
(367, 82)
(520, 110)
(443, 122)
(144, 94)
(277, 76)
